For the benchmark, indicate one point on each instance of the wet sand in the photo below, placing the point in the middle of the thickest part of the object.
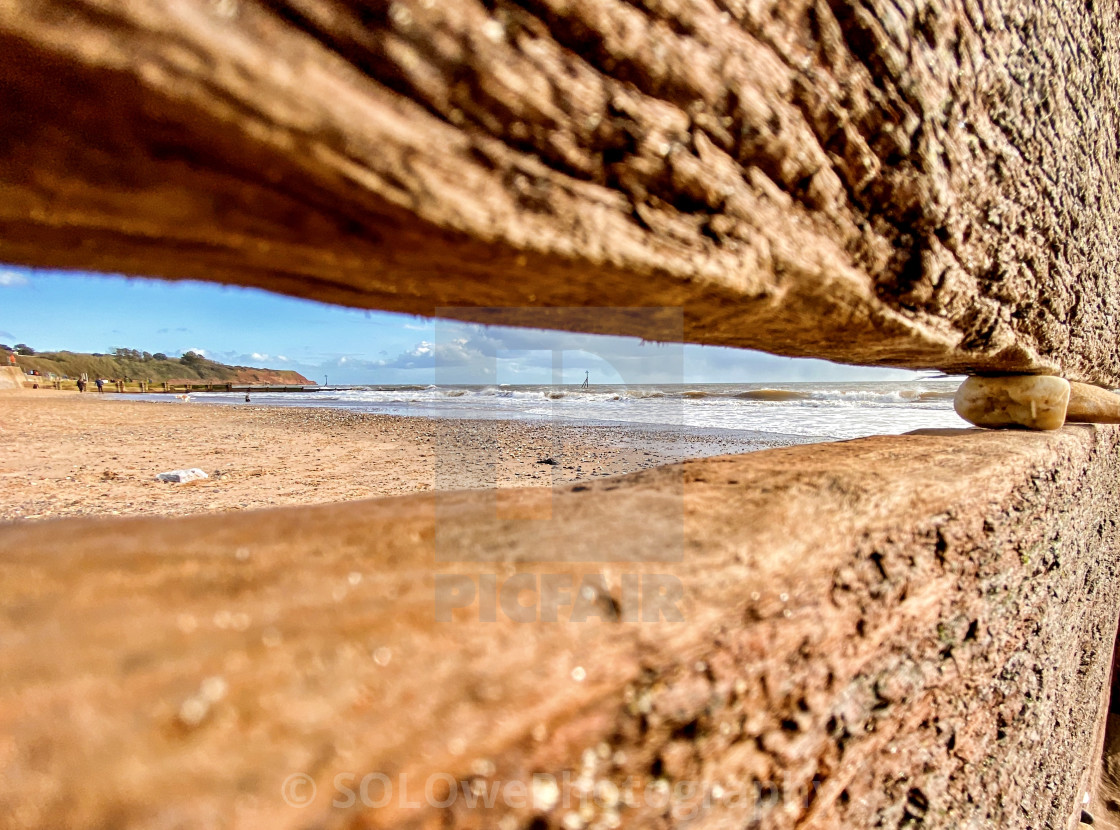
(62, 454)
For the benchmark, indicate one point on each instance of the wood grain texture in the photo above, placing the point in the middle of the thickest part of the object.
(901, 183)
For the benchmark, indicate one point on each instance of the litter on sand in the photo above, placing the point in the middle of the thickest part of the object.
(180, 476)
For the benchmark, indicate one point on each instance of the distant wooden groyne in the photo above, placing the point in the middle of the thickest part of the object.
(145, 386)
(181, 388)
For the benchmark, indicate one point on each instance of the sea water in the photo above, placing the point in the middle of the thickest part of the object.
(820, 411)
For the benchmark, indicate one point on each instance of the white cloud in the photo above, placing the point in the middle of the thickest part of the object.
(425, 355)
(281, 357)
(12, 279)
(258, 356)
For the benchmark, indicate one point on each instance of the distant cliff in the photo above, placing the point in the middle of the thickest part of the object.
(135, 365)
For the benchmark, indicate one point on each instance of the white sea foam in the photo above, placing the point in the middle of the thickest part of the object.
(820, 410)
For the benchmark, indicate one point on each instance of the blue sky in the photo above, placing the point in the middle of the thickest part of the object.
(51, 310)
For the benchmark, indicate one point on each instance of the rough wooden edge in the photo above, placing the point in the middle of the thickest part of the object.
(875, 183)
(915, 626)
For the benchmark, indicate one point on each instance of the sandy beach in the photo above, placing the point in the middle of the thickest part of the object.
(62, 454)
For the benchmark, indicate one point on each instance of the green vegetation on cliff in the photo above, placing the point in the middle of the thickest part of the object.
(136, 365)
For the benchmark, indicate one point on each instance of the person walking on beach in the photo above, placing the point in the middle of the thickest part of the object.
(81, 385)
(247, 398)
(101, 386)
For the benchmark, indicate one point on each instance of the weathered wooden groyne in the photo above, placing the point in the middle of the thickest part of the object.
(206, 386)
(889, 632)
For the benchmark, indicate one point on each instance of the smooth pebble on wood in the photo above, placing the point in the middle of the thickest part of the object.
(1031, 401)
(1092, 405)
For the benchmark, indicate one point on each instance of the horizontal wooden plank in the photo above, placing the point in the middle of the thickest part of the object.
(871, 629)
(871, 182)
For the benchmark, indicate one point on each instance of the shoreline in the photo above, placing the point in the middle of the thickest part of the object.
(428, 413)
(71, 455)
